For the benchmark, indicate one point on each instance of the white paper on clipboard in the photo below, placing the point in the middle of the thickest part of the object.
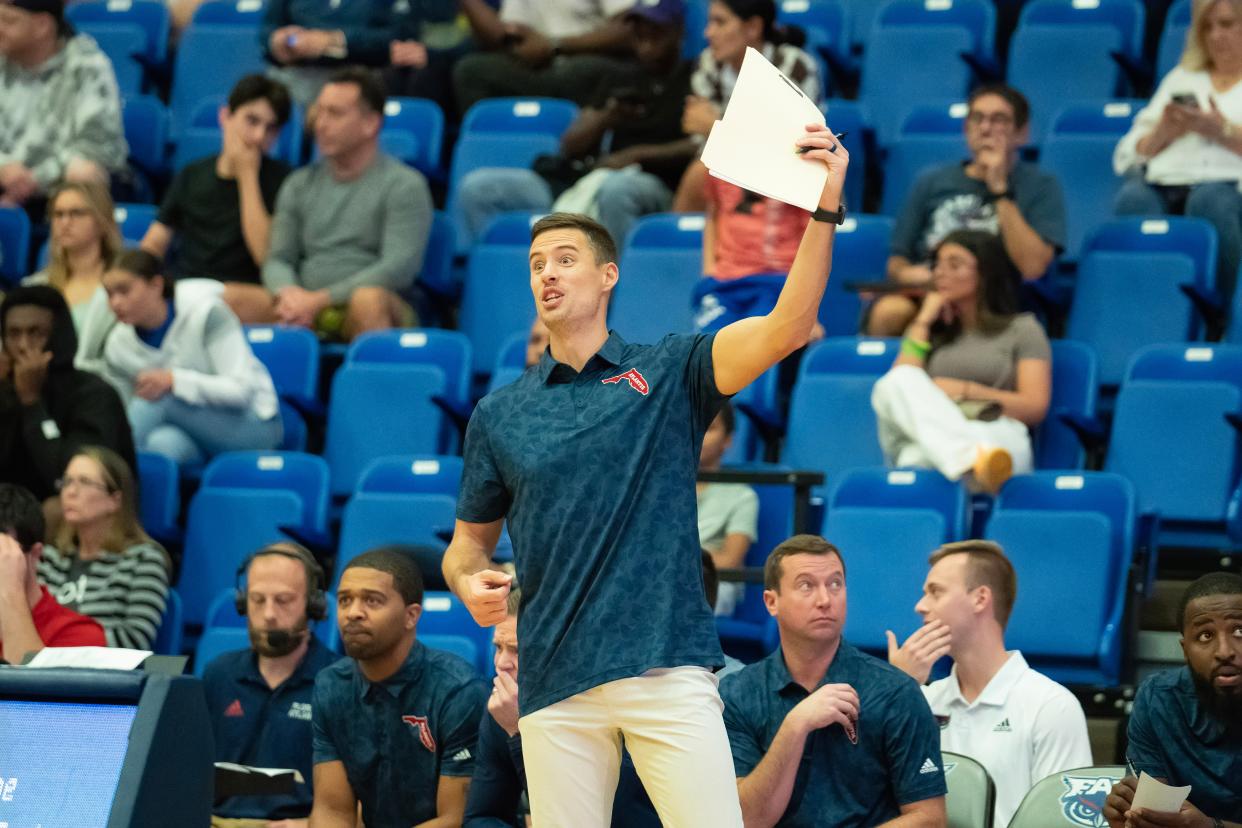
(753, 146)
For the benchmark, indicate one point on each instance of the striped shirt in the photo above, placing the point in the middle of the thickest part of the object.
(124, 592)
(715, 81)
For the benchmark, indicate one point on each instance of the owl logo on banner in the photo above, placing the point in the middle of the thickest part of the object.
(1083, 800)
(424, 730)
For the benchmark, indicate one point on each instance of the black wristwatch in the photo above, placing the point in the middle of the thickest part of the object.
(995, 197)
(823, 215)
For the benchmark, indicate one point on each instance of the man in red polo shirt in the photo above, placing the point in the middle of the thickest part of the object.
(30, 618)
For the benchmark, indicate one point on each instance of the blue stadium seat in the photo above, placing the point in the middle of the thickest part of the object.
(943, 118)
(194, 143)
(850, 116)
(1084, 166)
(879, 487)
(1075, 383)
(14, 244)
(544, 116)
(422, 119)
(450, 351)
(675, 231)
(437, 274)
(374, 519)
(223, 527)
(1123, 301)
(908, 65)
(217, 641)
(151, 17)
(653, 296)
(755, 406)
(861, 15)
(513, 353)
(422, 474)
(159, 496)
(1052, 523)
(459, 645)
(1233, 335)
(859, 254)
(1167, 234)
(291, 356)
(1112, 117)
(909, 157)
(480, 150)
(976, 16)
(826, 16)
(210, 60)
(831, 425)
(1175, 435)
(125, 45)
(512, 228)
(850, 355)
(1047, 60)
(306, 475)
(168, 638)
(205, 116)
(1127, 17)
(502, 377)
(444, 615)
(222, 611)
(1173, 37)
(496, 302)
(134, 219)
(229, 13)
(145, 121)
(364, 424)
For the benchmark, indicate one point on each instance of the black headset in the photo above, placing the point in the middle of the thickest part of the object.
(316, 598)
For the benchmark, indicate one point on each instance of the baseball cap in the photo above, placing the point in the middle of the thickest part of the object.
(662, 12)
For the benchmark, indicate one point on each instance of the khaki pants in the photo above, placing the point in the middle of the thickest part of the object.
(226, 822)
(672, 725)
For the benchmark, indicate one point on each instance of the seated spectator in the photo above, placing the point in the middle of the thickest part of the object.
(351, 229)
(973, 376)
(553, 48)
(259, 699)
(1184, 152)
(60, 110)
(635, 112)
(1186, 725)
(728, 512)
(537, 343)
(85, 238)
(217, 215)
(49, 410)
(1019, 724)
(308, 42)
(197, 388)
(100, 562)
(30, 618)
(732, 27)
(993, 190)
(427, 42)
(499, 774)
(395, 724)
(821, 733)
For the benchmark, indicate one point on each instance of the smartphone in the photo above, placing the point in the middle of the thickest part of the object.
(1186, 99)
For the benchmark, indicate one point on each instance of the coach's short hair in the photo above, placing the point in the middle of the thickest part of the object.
(406, 576)
(773, 569)
(986, 565)
(602, 245)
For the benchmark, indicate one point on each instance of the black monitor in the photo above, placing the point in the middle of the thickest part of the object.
(103, 749)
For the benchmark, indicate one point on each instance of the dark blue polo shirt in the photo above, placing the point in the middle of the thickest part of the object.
(500, 779)
(595, 472)
(397, 737)
(896, 761)
(1172, 737)
(263, 727)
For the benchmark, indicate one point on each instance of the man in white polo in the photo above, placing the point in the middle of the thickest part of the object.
(1019, 724)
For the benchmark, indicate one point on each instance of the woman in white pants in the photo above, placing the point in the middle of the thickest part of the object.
(973, 376)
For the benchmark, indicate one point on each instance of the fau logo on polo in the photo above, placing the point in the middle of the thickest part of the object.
(424, 731)
(636, 380)
(1083, 800)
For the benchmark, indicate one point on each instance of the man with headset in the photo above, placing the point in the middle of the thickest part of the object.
(260, 699)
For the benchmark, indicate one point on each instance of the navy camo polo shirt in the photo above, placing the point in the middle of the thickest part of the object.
(595, 472)
(895, 762)
(397, 737)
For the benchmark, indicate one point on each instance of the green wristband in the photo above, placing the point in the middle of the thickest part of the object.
(914, 348)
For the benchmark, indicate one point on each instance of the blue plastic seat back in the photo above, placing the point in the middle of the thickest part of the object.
(1128, 17)
(222, 611)
(1075, 382)
(879, 487)
(485, 149)
(125, 45)
(210, 60)
(444, 615)
(229, 13)
(1173, 37)
(1194, 237)
(826, 16)
(421, 474)
(885, 552)
(223, 527)
(831, 425)
(653, 296)
(860, 254)
(1233, 335)
(677, 231)
(159, 496)
(944, 118)
(850, 117)
(1083, 164)
(145, 121)
(461, 646)
(762, 397)
(496, 304)
(1204, 363)
(1123, 301)
(168, 638)
(288, 146)
(134, 219)
(513, 353)
(1104, 493)
(863, 356)
(1046, 60)
(977, 16)
(908, 65)
(306, 475)
(291, 356)
(450, 351)
(364, 424)
(909, 157)
(215, 642)
(546, 116)
(374, 519)
(151, 17)
(14, 244)
(510, 228)
(423, 120)
(502, 377)
(1112, 117)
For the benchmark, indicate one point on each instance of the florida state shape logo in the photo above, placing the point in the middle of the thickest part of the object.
(636, 380)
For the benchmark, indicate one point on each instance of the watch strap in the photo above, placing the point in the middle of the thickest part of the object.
(828, 216)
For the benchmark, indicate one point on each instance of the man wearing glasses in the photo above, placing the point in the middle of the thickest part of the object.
(992, 190)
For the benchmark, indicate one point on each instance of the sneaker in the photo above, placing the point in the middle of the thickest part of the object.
(993, 466)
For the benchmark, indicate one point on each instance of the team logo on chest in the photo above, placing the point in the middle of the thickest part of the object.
(1083, 800)
(636, 380)
(424, 731)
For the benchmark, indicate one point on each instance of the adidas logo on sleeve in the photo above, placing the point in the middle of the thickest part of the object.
(929, 767)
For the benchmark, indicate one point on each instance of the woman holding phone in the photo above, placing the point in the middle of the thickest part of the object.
(1184, 152)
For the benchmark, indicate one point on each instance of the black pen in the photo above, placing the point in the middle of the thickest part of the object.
(804, 150)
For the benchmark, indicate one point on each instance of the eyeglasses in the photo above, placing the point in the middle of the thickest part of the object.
(82, 483)
(995, 118)
(70, 213)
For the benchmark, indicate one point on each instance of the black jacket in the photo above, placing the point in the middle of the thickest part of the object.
(77, 408)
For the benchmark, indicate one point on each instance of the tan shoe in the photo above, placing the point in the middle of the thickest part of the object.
(993, 466)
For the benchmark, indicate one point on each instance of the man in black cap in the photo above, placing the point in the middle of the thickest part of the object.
(48, 408)
(60, 112)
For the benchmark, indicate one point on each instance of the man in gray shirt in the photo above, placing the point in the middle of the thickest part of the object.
(350, 230)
